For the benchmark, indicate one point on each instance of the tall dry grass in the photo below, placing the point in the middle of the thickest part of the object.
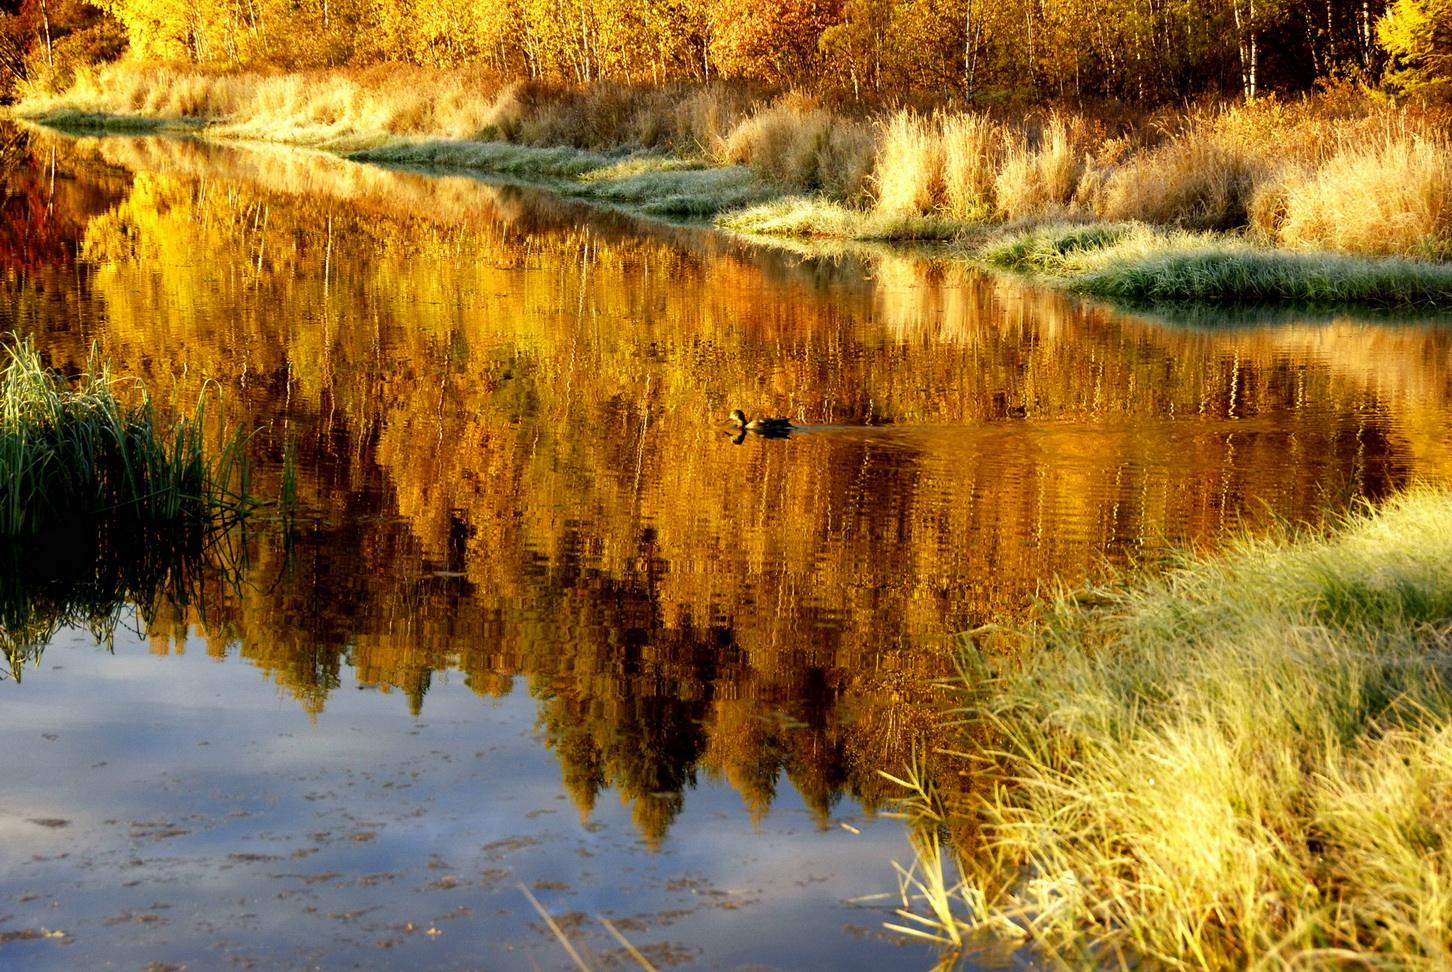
(910, 178)
(802, 147)
(1040, 175)
(972, 147)
(1391, 196)
(970, 168)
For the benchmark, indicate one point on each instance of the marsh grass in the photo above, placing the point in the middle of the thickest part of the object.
(1243, 763)
(101, 501)
(1139, 264)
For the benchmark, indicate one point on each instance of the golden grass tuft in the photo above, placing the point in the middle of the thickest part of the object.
(1393, 196)
(971, 146)
(909, 165)
(1194, 181)
(1039, 176)
(804, 148)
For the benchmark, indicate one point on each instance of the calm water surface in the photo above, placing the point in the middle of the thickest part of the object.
(540, 621)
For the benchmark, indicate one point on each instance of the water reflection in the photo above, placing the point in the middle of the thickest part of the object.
(508, 420)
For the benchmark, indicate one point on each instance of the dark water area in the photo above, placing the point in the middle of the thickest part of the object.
(539, 619)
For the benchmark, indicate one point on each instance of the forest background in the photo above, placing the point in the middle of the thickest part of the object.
(982, 52)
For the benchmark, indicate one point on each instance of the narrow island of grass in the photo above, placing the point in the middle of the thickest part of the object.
(1143, 265)
(1244, 763)
(102, 502)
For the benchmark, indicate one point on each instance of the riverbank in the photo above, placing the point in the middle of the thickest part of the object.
(1245, 762)
(1307, 201)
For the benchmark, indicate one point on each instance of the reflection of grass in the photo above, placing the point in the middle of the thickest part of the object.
(1137, 263)
(101, 503)
(573, 951)
(1245, 762)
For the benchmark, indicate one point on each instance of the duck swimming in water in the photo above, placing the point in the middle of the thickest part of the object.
(764, 426)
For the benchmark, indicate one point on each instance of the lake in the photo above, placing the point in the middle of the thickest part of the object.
(534, 618)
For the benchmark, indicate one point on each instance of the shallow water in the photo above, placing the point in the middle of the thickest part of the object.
(540, 620)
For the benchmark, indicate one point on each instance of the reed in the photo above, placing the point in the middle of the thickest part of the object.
(1243, 763)
(77, 457)
(1388, 196)
(971, 148)
(910, 165)
(103, 506)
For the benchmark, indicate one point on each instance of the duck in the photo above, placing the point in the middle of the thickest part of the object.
(765, 426)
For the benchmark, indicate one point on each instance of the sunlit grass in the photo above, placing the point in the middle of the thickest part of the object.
(1141, 264)
(521, 161)
(653, 184)
(1244, 763)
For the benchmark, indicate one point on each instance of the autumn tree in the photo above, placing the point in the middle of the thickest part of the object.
(1418, 36)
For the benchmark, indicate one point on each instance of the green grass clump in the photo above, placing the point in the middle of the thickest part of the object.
(652, 184)
(102, 504)
(504, 158)
(694, 192)
(1244, 763)
(74, 120)
(76, 457)
(1137, 264)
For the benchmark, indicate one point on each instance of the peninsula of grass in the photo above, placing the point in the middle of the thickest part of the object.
(1143, 265)
(649, 183)
(1246, 763)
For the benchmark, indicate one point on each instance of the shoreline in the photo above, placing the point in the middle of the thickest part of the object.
(1129, 263)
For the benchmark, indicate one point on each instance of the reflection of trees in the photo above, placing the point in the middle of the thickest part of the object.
(504, 419)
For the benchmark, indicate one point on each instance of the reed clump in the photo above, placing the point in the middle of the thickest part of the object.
(103, 505)
(77, 458)
(1243, 763)
(803, 148)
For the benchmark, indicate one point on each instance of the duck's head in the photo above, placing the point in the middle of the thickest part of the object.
(738, 417)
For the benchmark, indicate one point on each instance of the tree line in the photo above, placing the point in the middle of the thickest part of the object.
(985, 51)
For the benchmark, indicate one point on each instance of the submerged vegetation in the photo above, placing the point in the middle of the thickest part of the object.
(1244, 762)
(102, 503)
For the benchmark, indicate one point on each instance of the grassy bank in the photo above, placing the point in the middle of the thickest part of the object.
(652, 184)
(1246, 763)
(1276, 183)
